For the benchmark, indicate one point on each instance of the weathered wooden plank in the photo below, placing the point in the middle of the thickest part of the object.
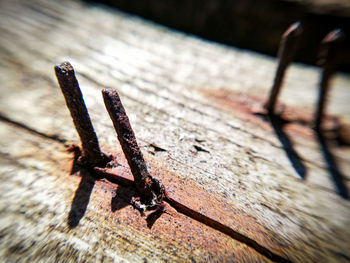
(46, 203)
(188, 93)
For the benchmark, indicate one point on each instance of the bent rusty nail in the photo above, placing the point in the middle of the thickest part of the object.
(286, 52)
(329, 59)
(81, 119)
(149, 187)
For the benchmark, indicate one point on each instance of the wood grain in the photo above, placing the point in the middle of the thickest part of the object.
(193, 99)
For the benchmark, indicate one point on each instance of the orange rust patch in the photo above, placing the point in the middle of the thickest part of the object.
(170, 228)
(190, 194)
(250, 108)
(237, 103)
(112, 202)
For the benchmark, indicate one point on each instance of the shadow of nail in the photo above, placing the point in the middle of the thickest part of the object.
(81, 199)
(152, 218)
(288, 146)
(122, 198)
(332, 166)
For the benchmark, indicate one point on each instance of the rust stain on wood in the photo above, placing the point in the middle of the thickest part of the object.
(250, 108)
(113, 204)
(190, 202)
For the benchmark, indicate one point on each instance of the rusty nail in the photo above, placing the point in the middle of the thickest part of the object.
(81, 119)
(329, 58)
(286, 54)
(149, 187)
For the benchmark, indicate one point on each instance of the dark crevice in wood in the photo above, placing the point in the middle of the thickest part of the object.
(208, 128)
(200, 149)
(189, 212)
(55, 138)
(183, 209)
(206, 114)
(156, 148)
(144, 89)
(7, 159)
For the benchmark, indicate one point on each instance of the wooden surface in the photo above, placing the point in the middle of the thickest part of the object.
(194, 99)
(251, 24)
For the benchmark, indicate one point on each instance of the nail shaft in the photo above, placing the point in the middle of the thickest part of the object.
(146, 185)
(81, 119)
(329, 59)
(286, 54)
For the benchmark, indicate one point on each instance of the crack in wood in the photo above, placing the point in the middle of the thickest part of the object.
(178, 206)
(199, 217)
(301, 244)
(254, 136)
(53, 137)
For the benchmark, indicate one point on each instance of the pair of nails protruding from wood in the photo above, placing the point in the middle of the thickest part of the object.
(151, 188)
(329, 60)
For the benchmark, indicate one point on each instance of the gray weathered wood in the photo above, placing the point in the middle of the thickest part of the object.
(179, 92)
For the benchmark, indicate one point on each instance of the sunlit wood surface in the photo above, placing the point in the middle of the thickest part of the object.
(195, 100)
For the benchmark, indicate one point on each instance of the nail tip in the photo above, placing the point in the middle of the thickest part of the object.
(294, 30)
(334, 36)
(57, 68)
(110, 92)
(64, 68)
(297, 26)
